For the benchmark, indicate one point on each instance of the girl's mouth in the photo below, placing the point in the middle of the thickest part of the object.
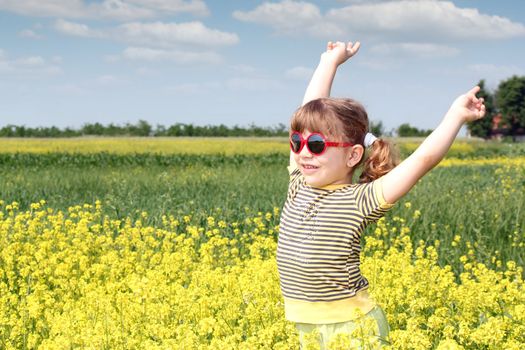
(307, 168)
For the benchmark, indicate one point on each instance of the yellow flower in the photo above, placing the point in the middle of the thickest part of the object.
(76, 277)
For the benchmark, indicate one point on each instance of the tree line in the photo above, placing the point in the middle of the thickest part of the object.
(143, 128)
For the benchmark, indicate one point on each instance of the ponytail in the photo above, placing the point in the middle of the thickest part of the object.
(382, 158)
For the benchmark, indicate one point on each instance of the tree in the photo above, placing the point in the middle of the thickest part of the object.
(143, 128)
(406, 130)
(8, 131)
(510, 99)
(482, 127)
(160, 130)
(377, 128)
(92, 129)
(175, 130)
(114, 130)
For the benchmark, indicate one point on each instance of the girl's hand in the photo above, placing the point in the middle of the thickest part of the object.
(321, 82)
(338, 52)
(468, 107)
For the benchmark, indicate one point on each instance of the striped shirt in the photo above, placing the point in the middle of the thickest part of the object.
(319, 247)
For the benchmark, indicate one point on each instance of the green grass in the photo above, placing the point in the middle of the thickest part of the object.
(183, 185)
(465, 200)
(483, 204)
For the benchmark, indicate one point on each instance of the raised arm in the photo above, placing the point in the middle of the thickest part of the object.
(321, 82)
(400, 180)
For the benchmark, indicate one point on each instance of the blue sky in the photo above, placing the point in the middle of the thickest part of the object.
(68, 62)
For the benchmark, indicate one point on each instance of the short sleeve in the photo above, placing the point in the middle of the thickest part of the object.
(293, 165)
(296, 178)
(370, 201)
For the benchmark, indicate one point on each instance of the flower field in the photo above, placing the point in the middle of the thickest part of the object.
(149, 250)
(158, 145)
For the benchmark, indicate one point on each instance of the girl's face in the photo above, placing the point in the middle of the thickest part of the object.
(333, 167)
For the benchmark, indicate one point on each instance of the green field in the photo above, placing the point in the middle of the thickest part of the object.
(170, 243)
(483, 204)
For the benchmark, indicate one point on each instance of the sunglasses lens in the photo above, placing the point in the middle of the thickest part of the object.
(316, 144)
(295, 142)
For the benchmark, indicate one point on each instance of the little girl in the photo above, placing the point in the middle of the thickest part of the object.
(326, 212)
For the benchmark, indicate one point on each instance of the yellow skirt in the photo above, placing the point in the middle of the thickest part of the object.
(367, 332)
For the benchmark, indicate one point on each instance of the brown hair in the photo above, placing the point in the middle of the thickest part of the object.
(346, 120)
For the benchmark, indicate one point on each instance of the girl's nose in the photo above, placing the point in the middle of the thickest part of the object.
(305, 152)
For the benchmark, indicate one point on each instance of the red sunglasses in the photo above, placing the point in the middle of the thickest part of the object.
(315, 143)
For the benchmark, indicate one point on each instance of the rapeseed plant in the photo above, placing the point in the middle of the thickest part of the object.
(81, 279)
(139, 145)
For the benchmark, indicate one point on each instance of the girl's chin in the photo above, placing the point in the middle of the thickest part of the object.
(313, 181)
(317, 181)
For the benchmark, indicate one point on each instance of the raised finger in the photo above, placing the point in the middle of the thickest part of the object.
(474, 90)
(349, 48)
(355, 47)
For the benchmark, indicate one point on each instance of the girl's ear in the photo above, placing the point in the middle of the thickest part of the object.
(355, 155)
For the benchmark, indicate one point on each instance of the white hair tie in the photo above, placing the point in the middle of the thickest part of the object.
(369, 139)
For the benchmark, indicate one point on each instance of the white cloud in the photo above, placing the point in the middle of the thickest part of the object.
(407, 19)
(285, 15)
(158, 41)
(290, 17)
(156, 55)
(196, 7)
(425, 50)
(438, 19)
(30, 34)
(32, 61)
(87, 86)
(170, 34)
(299, 73)
(372, 1)
(107, 79)
(120, 10)
(374, 64)
(77, 29)
(70, 89)
(249, 80)
(494, 73)
(4, 64)
(108, 9)
(56, 59)
(492, 68)
(147, 72)
(194, 88)
(44, 8)
(254, 84)
(155, 34)
(29, 66)
(112, 58)
(244, 69)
